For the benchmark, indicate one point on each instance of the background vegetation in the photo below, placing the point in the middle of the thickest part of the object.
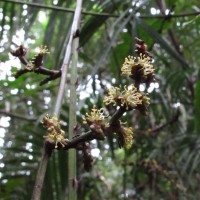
(164, 161)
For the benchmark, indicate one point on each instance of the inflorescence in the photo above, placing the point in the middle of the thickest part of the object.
(37, 60)
(139, 69)
(125, 135)
(98, 122)
(100, 126)
(130, 98)
(35, 64)
(55, 133)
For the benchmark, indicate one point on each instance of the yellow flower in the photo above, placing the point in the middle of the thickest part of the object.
(55, 133)
(127, 133)
(96, 116)
(113, 95)
(129, 64)
(139, 68)
(60, 139)
(43, 50)
(30, 66)
(50, 136)
(37, 60)
(145, 62)
(143, 108)
(131, 97)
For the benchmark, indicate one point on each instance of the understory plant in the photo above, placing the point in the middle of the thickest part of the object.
(101, 122)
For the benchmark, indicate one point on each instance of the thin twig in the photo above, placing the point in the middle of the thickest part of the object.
(35, 65)
(65, 65)
(171, 34)
(57, 8)
(169, 16)
(46, 153)
(154, 131)
(22, 117)
(45, 71)
(170, 122)
(51, 77)
(52, 74)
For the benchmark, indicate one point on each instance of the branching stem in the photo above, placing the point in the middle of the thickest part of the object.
(45, 155)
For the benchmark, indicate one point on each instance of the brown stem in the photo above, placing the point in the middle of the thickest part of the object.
(45, 71)
(23, 60)
(52, 74)
(85, 137)
(47, 150)
(50, 78)
(21, 72)
(57, 8)
(117, 115)
(153, 132)
(90, 135)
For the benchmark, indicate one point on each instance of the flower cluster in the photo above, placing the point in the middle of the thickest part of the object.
(35, 64)
(113, 96)
(37, 60)
(139, 68)
(100, 126)
(55, 133)
(97, 120)
(96, 116)
(130, 98)
(126, 137)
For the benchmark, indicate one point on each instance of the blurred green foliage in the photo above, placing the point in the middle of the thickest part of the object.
(169, 135)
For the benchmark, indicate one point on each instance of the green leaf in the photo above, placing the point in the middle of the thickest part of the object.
(196, 104)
